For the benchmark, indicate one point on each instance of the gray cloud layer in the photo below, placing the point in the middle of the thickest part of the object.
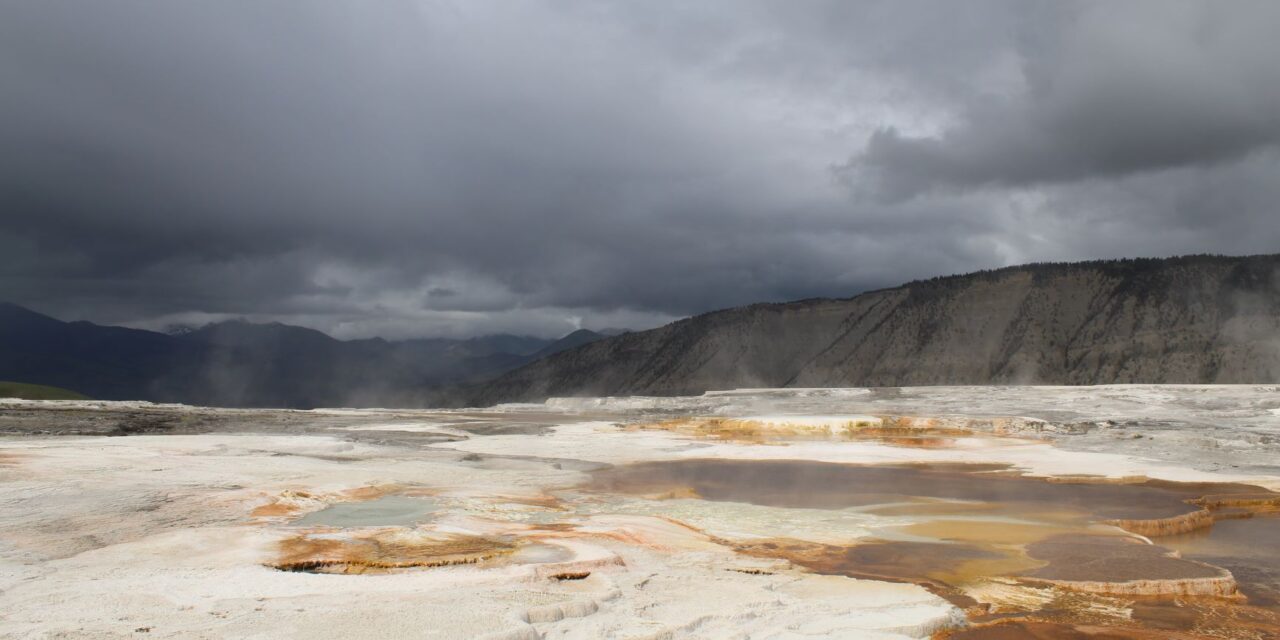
(1111, 89)
(425, 168)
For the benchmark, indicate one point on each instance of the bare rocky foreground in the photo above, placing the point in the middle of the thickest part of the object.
(961, 512)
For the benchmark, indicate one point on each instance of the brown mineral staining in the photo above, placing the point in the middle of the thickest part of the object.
(679, 493)
(1175, 525)
(1209, 618)
(1256, 502)
(571, 575)
(807, 484)
(373, 492)
(1213, 508)
(1141, 619)
(1138, 505)
(287, 503)
(384, 550)
(894, 430)
(1026, 557)
(1248, 547)
(554, 527)
(902, 431)
(273, 510)
(734, 430)
(542, 501)
(1124, 566)
(936, 566)
(1036, 630)
(1096, 479)
(985, 532)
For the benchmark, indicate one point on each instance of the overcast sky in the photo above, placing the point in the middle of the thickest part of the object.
(420, 168)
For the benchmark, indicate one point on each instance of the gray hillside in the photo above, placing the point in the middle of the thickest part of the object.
(1194, 319)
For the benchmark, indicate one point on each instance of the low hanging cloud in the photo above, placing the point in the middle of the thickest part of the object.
(424, 167)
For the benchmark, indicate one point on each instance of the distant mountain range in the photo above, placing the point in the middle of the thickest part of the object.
(244, 364)
(1192, 319)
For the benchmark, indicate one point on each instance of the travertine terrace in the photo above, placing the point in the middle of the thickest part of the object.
(846, 513)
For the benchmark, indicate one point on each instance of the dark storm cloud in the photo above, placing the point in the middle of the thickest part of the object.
(1111, 89)
(417, 168)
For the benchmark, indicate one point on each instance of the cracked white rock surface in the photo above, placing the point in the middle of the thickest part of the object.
(101, 536)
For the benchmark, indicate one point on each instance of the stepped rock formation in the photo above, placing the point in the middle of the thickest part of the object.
(1193, 319)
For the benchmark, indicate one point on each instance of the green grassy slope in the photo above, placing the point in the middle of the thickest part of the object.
(37, 392)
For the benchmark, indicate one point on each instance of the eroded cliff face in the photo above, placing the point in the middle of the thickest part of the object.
(1197, 319)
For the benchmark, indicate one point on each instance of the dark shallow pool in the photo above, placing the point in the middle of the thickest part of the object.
(387, 511)
(1249, 548)
(821, 485)
(1071, 547)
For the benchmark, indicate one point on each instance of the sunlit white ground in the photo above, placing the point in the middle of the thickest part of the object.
(156, 535)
